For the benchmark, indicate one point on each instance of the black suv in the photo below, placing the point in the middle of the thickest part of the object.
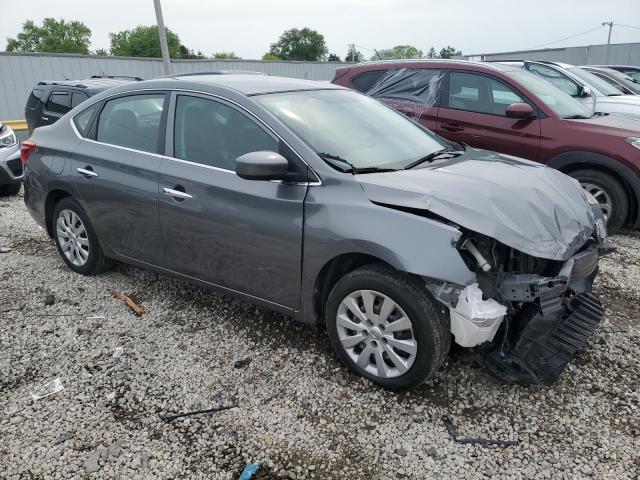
(50, 100)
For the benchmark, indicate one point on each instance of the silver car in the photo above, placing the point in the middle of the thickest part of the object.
(326, 205)
(10, 164)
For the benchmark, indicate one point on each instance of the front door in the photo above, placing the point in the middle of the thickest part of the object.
(116, 173)
(474, 113)
(241, 234)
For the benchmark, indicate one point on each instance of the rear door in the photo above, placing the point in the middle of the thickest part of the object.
(217, 227)
(473, 111)
(116, 172)
(59, 103)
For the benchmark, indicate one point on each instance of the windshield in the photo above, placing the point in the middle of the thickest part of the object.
(352, 126)
(597, 83)
(562, 104)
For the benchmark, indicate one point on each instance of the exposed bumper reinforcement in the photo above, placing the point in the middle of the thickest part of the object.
(547, 342)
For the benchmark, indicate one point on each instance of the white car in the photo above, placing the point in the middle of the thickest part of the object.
(10, 163)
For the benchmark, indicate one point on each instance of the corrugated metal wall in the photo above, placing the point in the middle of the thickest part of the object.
(619, 54)
(19, 72)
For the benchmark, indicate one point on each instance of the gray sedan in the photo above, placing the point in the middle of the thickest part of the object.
(326, 205)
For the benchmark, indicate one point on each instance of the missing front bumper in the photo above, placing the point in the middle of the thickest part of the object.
(547, 342)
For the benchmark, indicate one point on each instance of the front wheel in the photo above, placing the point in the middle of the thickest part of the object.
(610, 194)
(385, 326)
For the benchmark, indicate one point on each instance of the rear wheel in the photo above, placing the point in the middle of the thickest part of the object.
(11, 189)
(610, 194)
(76, 239)
(385, 326)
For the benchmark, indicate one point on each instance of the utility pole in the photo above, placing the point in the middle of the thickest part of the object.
(610, 25)
(353, 52)
(163, 38)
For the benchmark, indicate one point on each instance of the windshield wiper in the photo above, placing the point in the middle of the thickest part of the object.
(434, 156)
(345, 166)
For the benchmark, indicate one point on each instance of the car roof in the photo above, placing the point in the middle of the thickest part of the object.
(251, 84)
(436, 62)
(94, 84)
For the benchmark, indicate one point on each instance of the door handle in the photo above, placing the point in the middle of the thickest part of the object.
(46, 119)
(451, 127)
(178, 195)
(87, 172)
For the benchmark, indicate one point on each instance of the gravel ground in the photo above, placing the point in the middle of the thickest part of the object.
(299, 413)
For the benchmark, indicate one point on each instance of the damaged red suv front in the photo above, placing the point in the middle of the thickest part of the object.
(533, 246)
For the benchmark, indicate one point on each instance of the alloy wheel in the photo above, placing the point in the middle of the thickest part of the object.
(601, 195)
(72, 237)
(376, 333)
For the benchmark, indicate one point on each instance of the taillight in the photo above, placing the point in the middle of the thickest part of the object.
(26, 147)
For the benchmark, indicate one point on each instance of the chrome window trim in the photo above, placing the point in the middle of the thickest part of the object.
(316, 182)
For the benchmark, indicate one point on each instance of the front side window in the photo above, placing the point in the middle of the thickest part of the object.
(478, 93)
(132, 121)
(59, 102)
(597, 83)
(562, 104)
(354, 127)
(214, 134)
(555, 78)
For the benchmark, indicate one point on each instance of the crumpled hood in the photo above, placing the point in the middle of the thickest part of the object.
(525, 205)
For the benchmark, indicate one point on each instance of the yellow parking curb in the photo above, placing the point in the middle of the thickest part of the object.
(16, 125)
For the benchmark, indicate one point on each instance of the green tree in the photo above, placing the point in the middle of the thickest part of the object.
(432, 53)
(225, 56)
(449, 52)
(268, 56)
(398, 52)
(333, 58)
(54, 35)
(354, 55)
(101, 51)
(144, 42)
(300, 44)
(189, 53)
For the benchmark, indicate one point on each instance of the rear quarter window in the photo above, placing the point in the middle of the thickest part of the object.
(35, 97)
(366, 80)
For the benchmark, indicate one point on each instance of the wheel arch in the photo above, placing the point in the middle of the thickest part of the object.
(335, 269)
(571, 161)
(52, 199)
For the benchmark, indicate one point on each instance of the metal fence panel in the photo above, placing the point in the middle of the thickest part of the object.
(19, 72)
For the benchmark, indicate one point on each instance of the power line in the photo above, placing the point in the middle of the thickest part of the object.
(628, 26)
(567, 38)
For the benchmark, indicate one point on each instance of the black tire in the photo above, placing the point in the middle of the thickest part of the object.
(430, 321)
(96, 261)
(11, 189)
(614, 189)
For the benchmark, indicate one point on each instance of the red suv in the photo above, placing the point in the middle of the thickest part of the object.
(509, 110)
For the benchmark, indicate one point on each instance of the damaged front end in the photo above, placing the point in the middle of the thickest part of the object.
(532, 314)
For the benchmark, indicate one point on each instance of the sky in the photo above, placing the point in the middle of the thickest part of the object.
(249, 27)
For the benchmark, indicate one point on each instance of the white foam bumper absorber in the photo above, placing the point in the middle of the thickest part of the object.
(474, 320)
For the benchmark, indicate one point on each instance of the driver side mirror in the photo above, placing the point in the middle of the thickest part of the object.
(519, 111)
(262, 165)
(584, 91)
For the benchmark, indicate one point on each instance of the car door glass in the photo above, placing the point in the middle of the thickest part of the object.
(82, 119)
(132, 121)
(555, 78)
(408, 84)
(365, 81)
(214, 134)
(481, 94)
(77, 98)
(503, 96)
(59, 102)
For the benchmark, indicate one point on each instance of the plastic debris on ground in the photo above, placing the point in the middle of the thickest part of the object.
(249, 471)
(242, 363)
(169, 418)
(51, 388)
(118, 352)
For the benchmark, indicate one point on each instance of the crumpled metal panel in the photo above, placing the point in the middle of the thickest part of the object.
(527, 206)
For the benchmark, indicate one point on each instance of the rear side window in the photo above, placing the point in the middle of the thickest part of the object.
(82, 120)
(211, 133)
(132, 121)
(365, 81)
(409, 84)
(59, 102)
(481, 94)
(77, 98)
